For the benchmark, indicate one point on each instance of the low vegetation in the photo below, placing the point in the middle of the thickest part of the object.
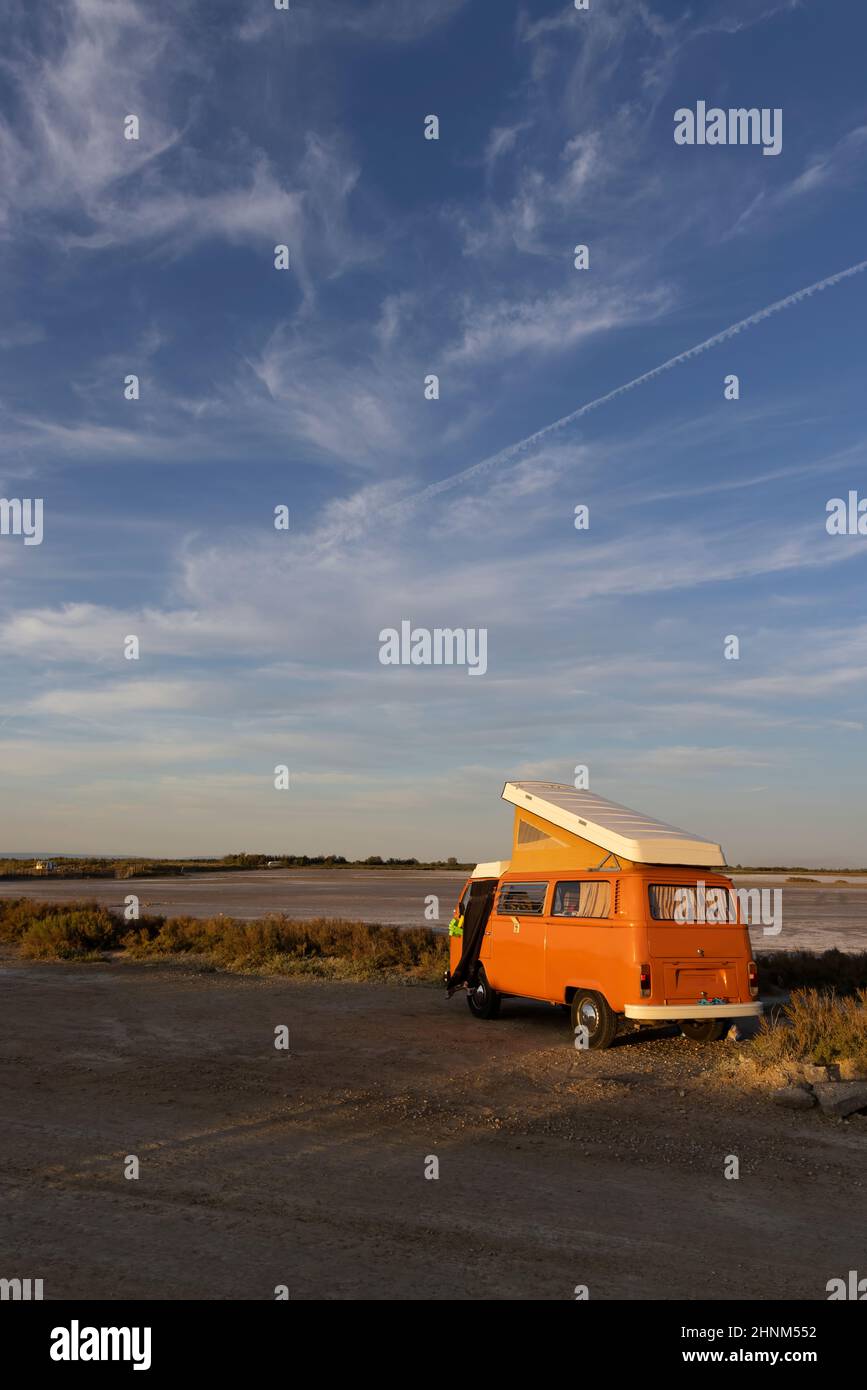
(823, 1021)
(845, 972)
(51, 931)
(325, 947)
(814, 1026)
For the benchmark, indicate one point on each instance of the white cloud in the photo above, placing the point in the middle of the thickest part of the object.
(582, 157)
(838, 165)
(64, 152)
(395, 312)
(551, 322)
(502, 139)
(92, 633)
(67, 147)
(350, 412)
(697, 759)
(371, 21)
(143, 695)
(16, 335)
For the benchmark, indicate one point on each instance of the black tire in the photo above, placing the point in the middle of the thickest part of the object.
(714, 1030)
(484, 1002)
(593, 1011)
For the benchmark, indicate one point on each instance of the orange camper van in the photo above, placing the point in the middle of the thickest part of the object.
(608, 912)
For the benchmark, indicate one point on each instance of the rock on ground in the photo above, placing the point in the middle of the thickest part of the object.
(842, 1098)
(794, 1098)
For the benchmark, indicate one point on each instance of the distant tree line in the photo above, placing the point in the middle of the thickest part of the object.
(123, 867)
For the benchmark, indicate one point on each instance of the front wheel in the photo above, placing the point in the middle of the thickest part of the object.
(700, 1031)
(592, 1011)
(484, 1002)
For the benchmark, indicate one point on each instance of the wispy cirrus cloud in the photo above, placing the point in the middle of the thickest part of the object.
(365, 21)
(63, 145)
(553, 321)
(16, 335)
(841, 164)
(68, 173)
(132, 695)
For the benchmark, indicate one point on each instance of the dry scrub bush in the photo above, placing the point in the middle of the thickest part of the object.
(280, 945)
(815, 1026)
(330, 948)
(78, 933)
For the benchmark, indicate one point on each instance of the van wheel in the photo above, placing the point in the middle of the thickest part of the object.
(713, 1031)
(593, 1012)
(484, 1002)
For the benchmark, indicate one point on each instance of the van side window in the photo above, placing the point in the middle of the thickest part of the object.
(578, 899)
(522, 899)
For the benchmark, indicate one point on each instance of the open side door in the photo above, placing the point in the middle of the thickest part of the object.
(478, 910)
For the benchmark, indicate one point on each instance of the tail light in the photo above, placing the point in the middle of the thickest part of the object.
(644, 980)
(753, 975)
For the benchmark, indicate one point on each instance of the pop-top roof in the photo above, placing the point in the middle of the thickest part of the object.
(495, 868)
(615, 828)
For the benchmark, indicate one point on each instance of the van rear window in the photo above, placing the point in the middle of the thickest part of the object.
(579, 899)
(522, 899)
(682, 902)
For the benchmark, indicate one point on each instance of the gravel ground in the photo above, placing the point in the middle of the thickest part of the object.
(260, 1168)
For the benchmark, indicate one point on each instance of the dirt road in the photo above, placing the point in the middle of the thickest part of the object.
(259, 1168)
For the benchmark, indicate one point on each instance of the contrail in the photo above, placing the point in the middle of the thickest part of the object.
(513, 450)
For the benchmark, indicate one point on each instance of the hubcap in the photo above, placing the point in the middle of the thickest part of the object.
(589, 1014)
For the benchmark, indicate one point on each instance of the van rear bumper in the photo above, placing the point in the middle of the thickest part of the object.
(646, 1012)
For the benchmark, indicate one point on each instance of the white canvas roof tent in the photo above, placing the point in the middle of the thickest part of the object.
(494, 868)
(612, 826)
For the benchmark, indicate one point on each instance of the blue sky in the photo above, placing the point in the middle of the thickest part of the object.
(305, 387)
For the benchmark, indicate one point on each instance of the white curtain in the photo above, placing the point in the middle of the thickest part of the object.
(582, 899)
